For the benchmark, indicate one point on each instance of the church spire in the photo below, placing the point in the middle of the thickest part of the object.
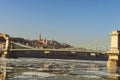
(40, 37)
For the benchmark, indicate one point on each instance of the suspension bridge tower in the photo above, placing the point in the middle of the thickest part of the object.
(4, 44)
(114, 52)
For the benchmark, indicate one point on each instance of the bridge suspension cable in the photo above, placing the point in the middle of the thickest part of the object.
(96, 46)
(100, 45)
(21, 45)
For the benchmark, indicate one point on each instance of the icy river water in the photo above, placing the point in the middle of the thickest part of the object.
(55, 69)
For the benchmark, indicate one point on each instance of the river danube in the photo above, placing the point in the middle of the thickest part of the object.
(55, 69)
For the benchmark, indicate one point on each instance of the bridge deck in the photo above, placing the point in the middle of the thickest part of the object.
(56, 50)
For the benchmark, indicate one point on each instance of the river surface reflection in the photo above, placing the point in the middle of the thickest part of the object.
(55, 69)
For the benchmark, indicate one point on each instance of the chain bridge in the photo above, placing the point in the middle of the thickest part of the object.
(109, 47)
(97, 47)
(7, 46)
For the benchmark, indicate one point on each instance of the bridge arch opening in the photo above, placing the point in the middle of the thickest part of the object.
(2, 43)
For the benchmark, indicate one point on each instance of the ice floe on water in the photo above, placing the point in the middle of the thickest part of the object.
(54, 69)
(34, 75)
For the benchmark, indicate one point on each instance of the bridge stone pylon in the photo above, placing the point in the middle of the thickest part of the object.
(114, 52)
(4, 44)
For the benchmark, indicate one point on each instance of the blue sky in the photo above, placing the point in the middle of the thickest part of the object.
(71, 21)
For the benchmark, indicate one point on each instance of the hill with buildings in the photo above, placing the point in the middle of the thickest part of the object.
(41, 43)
